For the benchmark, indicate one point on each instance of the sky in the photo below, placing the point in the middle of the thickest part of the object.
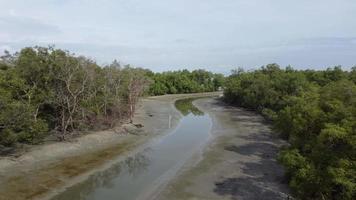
(218, 35)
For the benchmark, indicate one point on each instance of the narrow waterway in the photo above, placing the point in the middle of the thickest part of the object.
(149, 169)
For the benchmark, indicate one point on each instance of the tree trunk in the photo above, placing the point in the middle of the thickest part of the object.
(36, 113)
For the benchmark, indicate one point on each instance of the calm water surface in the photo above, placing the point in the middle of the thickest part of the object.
(145, 171)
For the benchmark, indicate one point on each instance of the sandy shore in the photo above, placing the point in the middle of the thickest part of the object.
(238, 163)
(52, 167)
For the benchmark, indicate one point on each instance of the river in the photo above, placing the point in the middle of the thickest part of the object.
(148, 170)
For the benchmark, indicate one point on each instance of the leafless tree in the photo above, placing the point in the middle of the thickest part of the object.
(72, 81)
(137, 83)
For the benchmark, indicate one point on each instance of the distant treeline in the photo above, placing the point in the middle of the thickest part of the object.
(178, 82)
(48, 91)
(316, 112)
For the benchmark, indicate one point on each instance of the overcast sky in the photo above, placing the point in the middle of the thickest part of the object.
(217, 35)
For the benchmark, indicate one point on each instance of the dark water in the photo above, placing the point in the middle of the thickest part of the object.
(147, 170)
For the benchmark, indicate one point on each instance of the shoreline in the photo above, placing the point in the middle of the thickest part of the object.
(33, 174)
(237, 162)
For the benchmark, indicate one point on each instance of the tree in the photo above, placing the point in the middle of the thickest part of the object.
(71, 82)
(316, 112)
(136, 84)
(184, 81)
(17, 123)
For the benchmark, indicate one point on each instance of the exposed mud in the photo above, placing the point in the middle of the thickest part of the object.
(52, 167)
(239, 163)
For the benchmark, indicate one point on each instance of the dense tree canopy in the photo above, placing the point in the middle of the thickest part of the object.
(50, 91)
(316, 112)
(178, 82)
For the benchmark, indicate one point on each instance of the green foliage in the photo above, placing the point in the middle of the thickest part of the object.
(185, 106)
(51, 91)
(17, 124)
(184, 81)
(48, 90)
(316, 112)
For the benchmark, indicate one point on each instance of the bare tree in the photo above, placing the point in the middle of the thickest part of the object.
(137, 84)
(72, 81)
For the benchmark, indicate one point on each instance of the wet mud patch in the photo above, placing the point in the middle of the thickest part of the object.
(35, 183)
(260, 179)
(134, 165)
(246, 188)
(257, 148)
(239, 163)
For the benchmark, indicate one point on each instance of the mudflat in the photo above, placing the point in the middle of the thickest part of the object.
(47, 169)
(238, 163)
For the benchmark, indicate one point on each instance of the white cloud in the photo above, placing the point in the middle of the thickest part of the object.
(19, 28)
(165, 34)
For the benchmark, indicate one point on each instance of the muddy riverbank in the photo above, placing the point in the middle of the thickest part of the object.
(238, 163)
(150, 168)
(48, 169)
(208, 151)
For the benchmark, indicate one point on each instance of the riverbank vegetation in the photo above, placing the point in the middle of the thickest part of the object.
(316, 112)
(52, 92)
(184, 81)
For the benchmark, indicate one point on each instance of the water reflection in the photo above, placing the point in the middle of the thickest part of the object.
(138, 163)
(133, 166)
(185, 106)
(142, 173)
